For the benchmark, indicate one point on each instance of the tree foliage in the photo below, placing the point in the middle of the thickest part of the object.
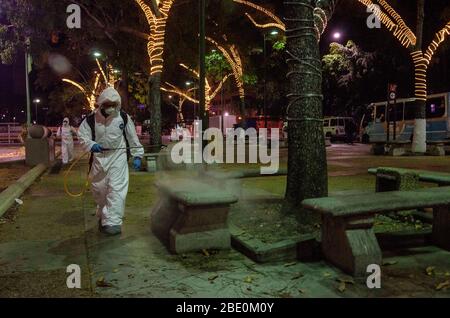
(346, 70)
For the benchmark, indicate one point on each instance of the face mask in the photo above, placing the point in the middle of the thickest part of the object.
(110, 110)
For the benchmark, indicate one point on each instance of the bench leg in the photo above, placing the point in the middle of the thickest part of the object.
(198, 228)
(350, 244)
(441, 227)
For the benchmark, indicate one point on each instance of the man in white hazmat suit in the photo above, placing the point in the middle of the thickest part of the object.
(65, 132)
(108, 141)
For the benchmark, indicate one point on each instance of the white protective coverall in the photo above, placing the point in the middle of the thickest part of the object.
(109, 172)
(65, 132)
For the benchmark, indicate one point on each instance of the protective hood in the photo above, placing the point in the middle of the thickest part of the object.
(110, 95)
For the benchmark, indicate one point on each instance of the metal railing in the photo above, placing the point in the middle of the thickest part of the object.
(10, 133)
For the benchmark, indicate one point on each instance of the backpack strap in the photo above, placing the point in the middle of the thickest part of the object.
(125, 122)
(90, 119)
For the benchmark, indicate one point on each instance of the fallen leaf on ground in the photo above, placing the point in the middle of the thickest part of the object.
(248, 279)
(101, 282)
(342, 286)
(297, 276)
(213, 277)
(443, 285)
(115, 270)
(290, 264)
(326, 274)
(302, 291)
(430, 270)
(346, 280)
(205, 252)
(389, 263)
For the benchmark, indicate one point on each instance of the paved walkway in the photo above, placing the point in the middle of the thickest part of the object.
(11, 153)
(51, 231)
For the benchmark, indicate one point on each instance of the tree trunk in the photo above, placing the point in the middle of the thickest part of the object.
(420, 67)
(307, 165)
(154, 105)
(242, 112)
(123, 90)
(181, 117)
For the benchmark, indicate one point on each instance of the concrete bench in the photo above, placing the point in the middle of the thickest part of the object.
(230, 181)
(437, 147)
(192, 216)
(348, 239)
(439, 178)
(393, 148)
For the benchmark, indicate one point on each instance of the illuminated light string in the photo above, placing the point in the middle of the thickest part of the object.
(438, 39)
(101, 70)
(320, 21)
(320, 18)
(399, 29)
(175, 90)
(266, 25)
(261, 9)
(92, 98)
(420, 68)
(408, 39)
(209, 93)
(157, 23)
(402, 30)
(233, 58)
(80, 88)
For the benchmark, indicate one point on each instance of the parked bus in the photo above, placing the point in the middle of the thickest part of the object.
(374, 126)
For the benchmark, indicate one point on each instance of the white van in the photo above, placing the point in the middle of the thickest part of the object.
(334, 127)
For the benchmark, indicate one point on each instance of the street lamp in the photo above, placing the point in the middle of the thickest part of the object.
(337, 35)
(97, 54)
(272, 33)
(36, 102)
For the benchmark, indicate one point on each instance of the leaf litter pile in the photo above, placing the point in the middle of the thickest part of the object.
(266, 222)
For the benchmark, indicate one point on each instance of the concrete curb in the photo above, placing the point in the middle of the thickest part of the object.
(9, 195)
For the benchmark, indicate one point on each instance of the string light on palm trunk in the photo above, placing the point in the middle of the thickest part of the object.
(233, 58)
(402, 32)
(320, 16)
(399, 29)
(420, 68)
(210, 94)
(408, 39)
(157, 23)
(438, 39)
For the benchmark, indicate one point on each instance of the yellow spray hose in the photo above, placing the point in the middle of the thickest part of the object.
(86, 185)
(66, 174)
